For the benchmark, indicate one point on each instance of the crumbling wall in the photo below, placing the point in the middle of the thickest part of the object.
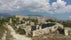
(40, 32)
(45, 31)
(67, 31)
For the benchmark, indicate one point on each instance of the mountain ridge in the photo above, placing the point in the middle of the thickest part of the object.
(4, 15)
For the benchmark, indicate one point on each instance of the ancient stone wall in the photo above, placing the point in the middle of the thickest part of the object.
(45, 30)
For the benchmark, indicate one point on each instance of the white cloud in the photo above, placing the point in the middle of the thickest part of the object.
(35, 6)
(60, 7)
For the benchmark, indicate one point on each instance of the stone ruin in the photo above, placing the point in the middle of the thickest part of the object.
(40, 29)
(36, 30)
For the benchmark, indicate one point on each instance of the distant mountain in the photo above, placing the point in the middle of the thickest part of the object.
(46, 17)
(34, 15)
(4, 15)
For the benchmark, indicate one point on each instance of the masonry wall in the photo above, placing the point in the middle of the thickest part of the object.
(45, 30)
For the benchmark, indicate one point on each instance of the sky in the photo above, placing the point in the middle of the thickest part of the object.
(60, 9)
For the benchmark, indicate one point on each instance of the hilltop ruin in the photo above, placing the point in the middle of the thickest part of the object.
(31, 27)
(39, 27)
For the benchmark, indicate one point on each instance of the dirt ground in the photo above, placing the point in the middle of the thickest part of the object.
(52, 37)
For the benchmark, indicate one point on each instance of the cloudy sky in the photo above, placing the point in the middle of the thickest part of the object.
(56, 8)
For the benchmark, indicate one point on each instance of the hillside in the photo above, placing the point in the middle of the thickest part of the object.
(36, 28)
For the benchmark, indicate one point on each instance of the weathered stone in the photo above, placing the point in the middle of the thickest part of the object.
(66, 32)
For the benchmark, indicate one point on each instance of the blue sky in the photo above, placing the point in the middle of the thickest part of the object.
(60, 9)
